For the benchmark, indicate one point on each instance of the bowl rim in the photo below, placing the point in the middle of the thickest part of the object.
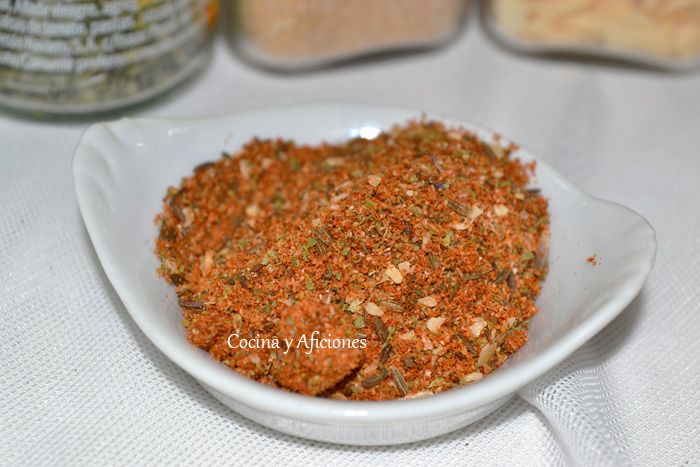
(501, 383)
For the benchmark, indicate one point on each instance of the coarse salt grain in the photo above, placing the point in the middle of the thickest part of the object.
(374, 180)
(428, 301)
(393, 273)
(404, 266)
(339, 198)
(254, 358)
(419, 394)
(472, 377)
(486, 354)
(244, 167)
(207, 262)
(475, 212)
(189, 216)
(477, 326)
(373, 309)
(500, 210)
(434, 324)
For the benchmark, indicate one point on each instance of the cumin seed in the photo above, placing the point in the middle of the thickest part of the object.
(195, 304)
(434, 261)
(399, 381)
(380, 328)
(385, 354)
(374, 380)
(502, 275)
(475, 275)
(511, 280)
(459, 208)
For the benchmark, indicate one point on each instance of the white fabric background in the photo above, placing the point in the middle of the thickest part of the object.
(80, 384)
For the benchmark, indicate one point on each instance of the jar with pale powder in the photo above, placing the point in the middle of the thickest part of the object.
(296, 34)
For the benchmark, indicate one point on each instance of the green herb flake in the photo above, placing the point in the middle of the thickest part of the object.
(447, 239)
(527, 256)
(237, 320)
(294, 164)
(314, 381)
(359, 322)
(436, 382)
(309, 284)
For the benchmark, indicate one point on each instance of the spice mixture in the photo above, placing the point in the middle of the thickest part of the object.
(425, 242)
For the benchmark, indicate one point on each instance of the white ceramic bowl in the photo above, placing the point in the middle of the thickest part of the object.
(122, 170)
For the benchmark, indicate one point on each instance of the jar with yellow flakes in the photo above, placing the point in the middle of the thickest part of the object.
(662, 33)
(87, 56)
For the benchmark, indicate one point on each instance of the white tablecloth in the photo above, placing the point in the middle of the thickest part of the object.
(80, 383)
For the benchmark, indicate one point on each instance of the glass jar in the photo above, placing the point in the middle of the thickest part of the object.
(660, 33)
(85, 56)
(295, 34)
